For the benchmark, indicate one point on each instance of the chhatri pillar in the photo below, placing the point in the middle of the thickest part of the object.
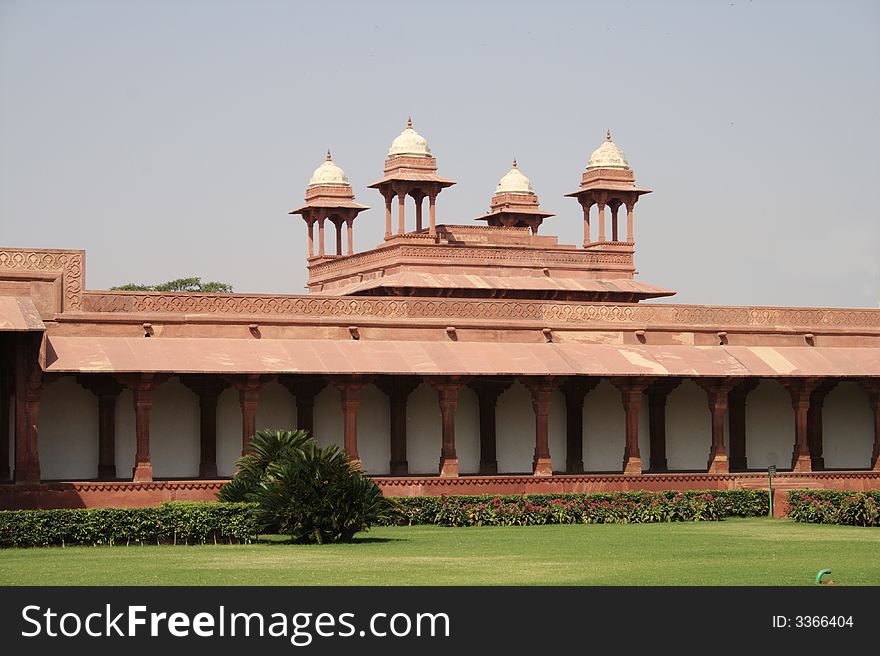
(410, 170)
(329, 197)
(608, 181)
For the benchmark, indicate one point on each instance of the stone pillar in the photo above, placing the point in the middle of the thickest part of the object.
(542, 394)
(488, 390)
(631, 390)
(447, 395)
(350, 396)
(717, 390)
(601, 219)
(432, 208)
(338, 224)
(630, 236)
(814, 423)
(28, 388)
(615, 206)
(736, 419)
(6, 388)
(658, 394)
(106, 389)
(872, 386)
(801, 389)
(321, 236)
(248, 398)
(398, 389)
(350, 235)
(418, 197)
(586, 207)
(575, 391)
(388, 196)
(401, 211)
(142, 395)
(310, 223)
(208, 389)
(304, 390)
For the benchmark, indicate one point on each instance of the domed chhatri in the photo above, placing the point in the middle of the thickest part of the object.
(328, 174)
(410, 143)
(514, 204)
(607, 156)
(514, 182)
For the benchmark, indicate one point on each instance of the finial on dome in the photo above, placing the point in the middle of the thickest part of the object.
(608, 135)
(409, 123)
(329, 158)
(514, 162)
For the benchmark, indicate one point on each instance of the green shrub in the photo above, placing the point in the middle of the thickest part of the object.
(310, 493)
(602, 508)
(835, 507)
(178, 522)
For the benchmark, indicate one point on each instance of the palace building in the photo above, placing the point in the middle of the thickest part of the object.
(473, 357)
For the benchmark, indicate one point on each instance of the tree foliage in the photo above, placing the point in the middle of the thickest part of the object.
(179, 285)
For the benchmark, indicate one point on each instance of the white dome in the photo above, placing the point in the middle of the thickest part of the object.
(608, 156)
(410, 142)
(328, 174)
(514, 183)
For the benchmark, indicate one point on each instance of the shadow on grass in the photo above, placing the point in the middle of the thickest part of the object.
(283, 540)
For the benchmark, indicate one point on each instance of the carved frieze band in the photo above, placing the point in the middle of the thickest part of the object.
(68, 263)
(305, 306)
(481, 254)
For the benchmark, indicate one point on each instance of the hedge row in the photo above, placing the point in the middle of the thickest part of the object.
(605, 508)
(170, 523)
(835, 507)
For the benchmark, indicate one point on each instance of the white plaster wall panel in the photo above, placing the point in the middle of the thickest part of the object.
(68, 440)
(604, 429)
(467, 431)
(276, 409)
(126, 441)
(515, 430)
(328, 417)
(228, 431)
(423, 431)
(557, 431)
(688, 428)
(847, 428)
(174, 431)
(769, 426)
(374, 429)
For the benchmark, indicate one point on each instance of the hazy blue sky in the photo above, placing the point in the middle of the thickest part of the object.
(171, 138)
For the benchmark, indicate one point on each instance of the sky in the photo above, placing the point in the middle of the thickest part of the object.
(171, 138)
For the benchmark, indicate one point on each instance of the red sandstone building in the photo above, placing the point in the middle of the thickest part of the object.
(451, 358)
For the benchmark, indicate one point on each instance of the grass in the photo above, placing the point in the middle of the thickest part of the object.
(732, 552)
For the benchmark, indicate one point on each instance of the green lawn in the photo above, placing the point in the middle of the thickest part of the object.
(732, 552)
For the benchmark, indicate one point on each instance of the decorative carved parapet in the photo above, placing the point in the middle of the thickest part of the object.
(538, 311)
(69, 265)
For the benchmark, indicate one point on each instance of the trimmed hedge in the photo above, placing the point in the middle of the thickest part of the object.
(835, 507)
(604, 508)
(178, 522)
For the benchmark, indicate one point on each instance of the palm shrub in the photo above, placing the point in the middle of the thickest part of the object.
(319, 496)
(267, 447)
(311, 493)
